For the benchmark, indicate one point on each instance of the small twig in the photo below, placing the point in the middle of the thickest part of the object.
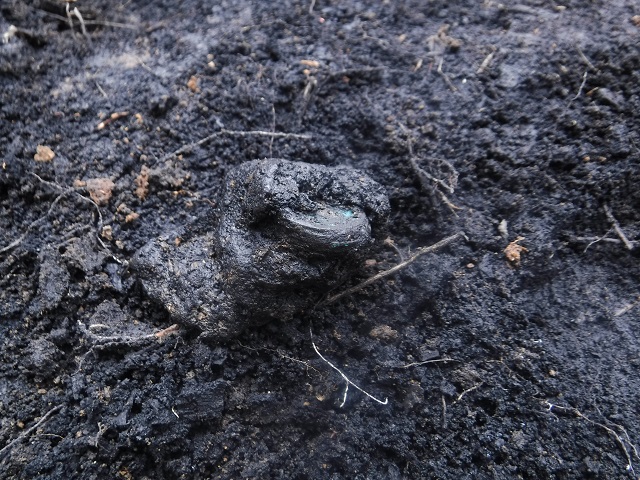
(28, 431)
(150, 70)
(603, 238)
(426, 177)
(598, 239)
(420, 252)
(103, 342)
(345, 378)
(239, 133)
(422, 173)
(617, 228)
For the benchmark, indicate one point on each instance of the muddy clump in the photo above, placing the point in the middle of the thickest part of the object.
(288, 232)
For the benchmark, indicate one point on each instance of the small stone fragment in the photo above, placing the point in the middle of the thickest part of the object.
(43, 154)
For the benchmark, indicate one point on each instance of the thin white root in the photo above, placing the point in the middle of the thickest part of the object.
(127, 340)
(435, 360)
(345, 378)
(237, 133)
(76, 12)
(468, 390)
(584, 81)
(619, 440)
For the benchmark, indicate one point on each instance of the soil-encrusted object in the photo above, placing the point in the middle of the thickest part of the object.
(288, 232)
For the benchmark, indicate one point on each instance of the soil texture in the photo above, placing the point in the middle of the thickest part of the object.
(511, 353)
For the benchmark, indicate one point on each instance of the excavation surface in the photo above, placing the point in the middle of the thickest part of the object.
(511, 354)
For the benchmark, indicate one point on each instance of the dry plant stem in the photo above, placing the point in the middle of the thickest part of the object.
(609, 430)
(238, 133)
(346, 379)
(420, 252)
(28, 431)
(616, 227)
(104, 94)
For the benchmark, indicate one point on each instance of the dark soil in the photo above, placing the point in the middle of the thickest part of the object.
(519, 116)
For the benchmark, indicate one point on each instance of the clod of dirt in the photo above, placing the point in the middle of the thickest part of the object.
(288, 232)
(165, 177)
(514, 250)
(193, 84)
(44, 154)
(142, 183)
(384, 333)
(53, 280)
(100, 189)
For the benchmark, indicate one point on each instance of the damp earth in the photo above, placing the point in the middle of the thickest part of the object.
(511, 353)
